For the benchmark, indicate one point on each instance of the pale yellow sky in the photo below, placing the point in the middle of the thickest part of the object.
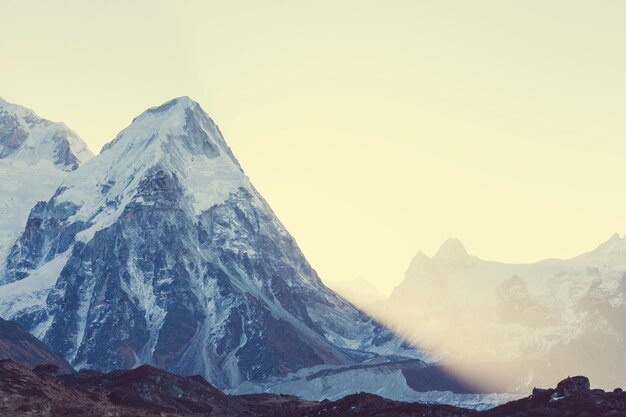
(374, 130)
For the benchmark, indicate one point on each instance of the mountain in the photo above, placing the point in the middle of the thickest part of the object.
(160, 251)
(538, 321)
(35, 156)
(358, 291)
(19, 345)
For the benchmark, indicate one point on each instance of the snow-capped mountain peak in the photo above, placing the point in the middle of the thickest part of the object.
(177, 138)
(161, 251)
(178, 120)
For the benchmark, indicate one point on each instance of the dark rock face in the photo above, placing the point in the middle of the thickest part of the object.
(571, 398)
(47, 234)
(18, 345)
(572, 385)
(63, 155)
(12, 134)
(159, 241)
(369, 405)
(152, 389)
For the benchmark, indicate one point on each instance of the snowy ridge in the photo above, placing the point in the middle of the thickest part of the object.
(35, 157)
(159, 137)
(29, 139)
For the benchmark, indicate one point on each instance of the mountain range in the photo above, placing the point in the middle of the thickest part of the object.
(160, 251)
(537, 321)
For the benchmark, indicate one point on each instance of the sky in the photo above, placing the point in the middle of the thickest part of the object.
(373, 129)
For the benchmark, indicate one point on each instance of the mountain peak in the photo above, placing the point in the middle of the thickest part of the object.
(180, 123)
(420, 262)
(451, 250)
(615, 244)
(176, 140)
(29, 139)
(164, 230)
(176, 106)
(182, 102)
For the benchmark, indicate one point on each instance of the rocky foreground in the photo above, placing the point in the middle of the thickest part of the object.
(149, 391)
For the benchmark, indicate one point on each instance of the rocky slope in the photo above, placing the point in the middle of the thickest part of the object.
(160, 251)
(148, 391)
(17, 344)
(35, 156)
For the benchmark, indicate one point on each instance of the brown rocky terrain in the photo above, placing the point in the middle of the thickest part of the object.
(19, 345)
(148, 391)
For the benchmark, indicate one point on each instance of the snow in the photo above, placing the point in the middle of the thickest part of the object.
(42, 136)
(30, 174)
(82, 313)
(155, 139)
(32, 291)
(386, 383)
(141, 290)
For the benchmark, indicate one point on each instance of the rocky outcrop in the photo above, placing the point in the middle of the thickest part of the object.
(148, 391)
(18, 345)
(572, 385)
(572, 397)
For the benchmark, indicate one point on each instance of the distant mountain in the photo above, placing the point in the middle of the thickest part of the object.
(552, 317)
(17, 344)
(358, 291)
(160, 251)
(35, 156)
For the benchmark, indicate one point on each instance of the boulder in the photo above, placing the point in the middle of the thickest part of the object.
(572, 385)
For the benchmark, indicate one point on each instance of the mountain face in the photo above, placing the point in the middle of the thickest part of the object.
(19, 345)
(160, 251)
(35, 156)
(539, 321)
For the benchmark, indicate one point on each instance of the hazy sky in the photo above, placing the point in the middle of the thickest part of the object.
(374, 129)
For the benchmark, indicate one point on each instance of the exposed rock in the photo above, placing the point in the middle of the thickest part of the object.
(17, 344)
(572, 385)
(148, 391)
